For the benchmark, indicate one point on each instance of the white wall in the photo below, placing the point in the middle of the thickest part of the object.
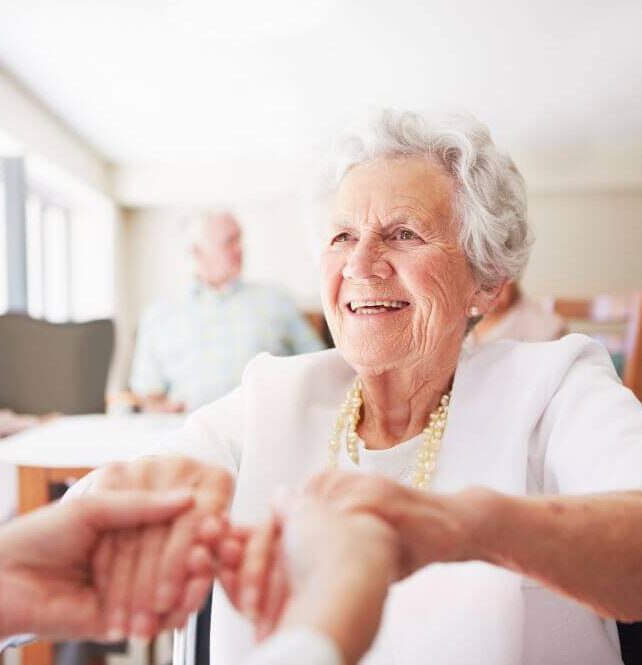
(29, 122)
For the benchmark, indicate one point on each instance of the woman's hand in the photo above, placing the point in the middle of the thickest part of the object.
(46, 579)
(586, 547)
(251, 568)
(313, 567)
(157, 571)
(431, 527)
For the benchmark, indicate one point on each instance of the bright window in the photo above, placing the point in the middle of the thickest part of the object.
(70, 247)
(55, 263)
(35, 273)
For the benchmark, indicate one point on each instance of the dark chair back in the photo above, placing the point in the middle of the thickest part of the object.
(47, 367)
(631, 642)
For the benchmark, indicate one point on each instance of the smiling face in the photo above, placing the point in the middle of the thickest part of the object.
(396, 285)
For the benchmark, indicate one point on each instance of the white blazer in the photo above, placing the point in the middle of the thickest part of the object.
(525, 418)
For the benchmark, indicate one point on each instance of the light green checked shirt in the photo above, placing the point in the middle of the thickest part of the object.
(195, 348)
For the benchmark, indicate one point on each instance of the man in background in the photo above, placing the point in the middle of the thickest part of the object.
(192, 350)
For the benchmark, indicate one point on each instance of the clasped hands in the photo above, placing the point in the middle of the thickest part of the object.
(339, 543)
(137, 553)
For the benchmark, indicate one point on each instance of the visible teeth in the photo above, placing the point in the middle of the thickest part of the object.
(358, 304)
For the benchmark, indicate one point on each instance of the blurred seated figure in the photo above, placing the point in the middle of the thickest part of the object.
(192, 350)
(518, 318)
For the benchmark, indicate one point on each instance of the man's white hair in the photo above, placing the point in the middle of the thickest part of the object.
(194, 225)
(490, 197)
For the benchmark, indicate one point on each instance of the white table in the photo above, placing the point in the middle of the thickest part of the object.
(66, 449)
(87, 441)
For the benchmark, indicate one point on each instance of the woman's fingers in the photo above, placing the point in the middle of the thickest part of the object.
(229, 580)
(102, 564)
(195, 595)
(193, 598)
(231, 552)
(211, 530)
(117, 602)
(212, 498)
(201, 561)
(275, 598)
(144, 620)
(172, 568)
(255, 568)
(128, 509)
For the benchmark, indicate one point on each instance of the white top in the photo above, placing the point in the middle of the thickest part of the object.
(524, 419)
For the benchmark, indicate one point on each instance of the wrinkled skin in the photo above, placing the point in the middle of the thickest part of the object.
(148, 572)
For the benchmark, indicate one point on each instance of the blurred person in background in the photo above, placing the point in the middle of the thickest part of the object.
(192, 350)
(517, 317)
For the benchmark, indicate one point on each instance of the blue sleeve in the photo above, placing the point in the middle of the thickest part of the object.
(300, 336)
(146, 376)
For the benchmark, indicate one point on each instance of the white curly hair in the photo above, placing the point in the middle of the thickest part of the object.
(490, 194)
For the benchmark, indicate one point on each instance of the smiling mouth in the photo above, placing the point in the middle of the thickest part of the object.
(365, 307)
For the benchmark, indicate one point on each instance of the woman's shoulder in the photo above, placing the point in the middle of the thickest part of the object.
(558, 355)
(326, 360)
(535, 371)
(318, 374)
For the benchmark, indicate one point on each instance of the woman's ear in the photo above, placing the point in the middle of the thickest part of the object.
(485, 298)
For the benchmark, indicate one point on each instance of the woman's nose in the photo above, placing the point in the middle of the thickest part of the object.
(366, 261)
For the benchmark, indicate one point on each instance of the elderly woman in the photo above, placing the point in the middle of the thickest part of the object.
(428, 221)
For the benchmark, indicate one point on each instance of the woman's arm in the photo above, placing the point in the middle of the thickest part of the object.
(588, 547)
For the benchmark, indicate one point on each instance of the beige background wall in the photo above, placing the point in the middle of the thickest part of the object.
(586, 242)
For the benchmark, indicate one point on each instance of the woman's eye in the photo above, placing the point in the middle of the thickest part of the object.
(405, 234)
(341, 237)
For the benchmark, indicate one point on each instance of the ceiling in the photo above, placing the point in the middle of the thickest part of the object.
(261, 84)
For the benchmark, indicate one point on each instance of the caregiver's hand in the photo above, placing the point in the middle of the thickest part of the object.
(46, 579)
(170, 576)
(431, 527)
(335, 569)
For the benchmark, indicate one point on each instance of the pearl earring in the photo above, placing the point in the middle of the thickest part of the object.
(473, 311)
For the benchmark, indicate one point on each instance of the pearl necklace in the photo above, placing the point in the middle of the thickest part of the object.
(348, 419)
